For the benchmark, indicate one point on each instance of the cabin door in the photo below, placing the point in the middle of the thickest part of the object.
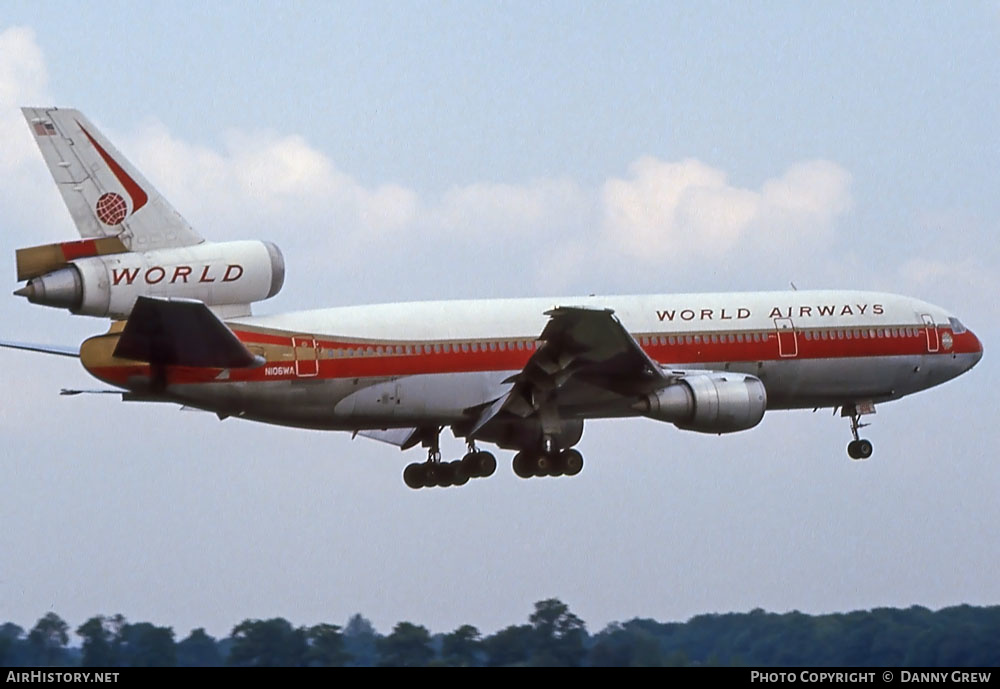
(788, 344)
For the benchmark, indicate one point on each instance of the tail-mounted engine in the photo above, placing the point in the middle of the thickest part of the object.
(709, 403)
(102, 278)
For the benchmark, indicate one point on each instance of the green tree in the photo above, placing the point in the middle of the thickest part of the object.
(360, 640)
(461, 648)
(99, 646)
(326, 646)
(48, 638)
(198, 650)
(560, 636)
(268, 643)
(409, 645)
(146, 645)
(509, 646)
(10, 640)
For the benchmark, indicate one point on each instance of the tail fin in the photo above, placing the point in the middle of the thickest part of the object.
(105, 194)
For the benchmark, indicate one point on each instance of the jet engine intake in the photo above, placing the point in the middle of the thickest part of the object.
(708, 403)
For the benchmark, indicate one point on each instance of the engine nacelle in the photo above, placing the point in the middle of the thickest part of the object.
(218, 274)
(709, 403)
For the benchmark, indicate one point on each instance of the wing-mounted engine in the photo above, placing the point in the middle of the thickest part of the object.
(708, 402)
(101, 278)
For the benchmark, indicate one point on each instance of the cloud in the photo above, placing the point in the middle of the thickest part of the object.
(688, 209)
(547, 233)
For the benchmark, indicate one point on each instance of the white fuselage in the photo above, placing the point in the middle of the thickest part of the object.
(404, 364)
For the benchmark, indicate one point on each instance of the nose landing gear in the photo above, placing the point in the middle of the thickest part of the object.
(859, 448)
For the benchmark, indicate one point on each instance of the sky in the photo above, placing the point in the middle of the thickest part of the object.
(434, 150)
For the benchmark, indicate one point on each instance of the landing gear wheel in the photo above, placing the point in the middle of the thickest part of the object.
(446, 474)
(432, 474)
(865, 449)
(860, 449)
(459, 475)
(572, 462)
(524, 465)
(413, 476)
(483, 464)
(546, 465)
(556, 465)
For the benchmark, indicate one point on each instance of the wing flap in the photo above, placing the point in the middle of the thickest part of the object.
(181, 332)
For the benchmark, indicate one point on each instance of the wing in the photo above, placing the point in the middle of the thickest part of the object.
(587, 360)
(104, 193)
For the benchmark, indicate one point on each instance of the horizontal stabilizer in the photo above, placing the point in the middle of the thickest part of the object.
(181, 332)
(45, 349)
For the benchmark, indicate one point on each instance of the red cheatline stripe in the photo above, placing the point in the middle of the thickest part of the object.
(513, 360)
(139, 196)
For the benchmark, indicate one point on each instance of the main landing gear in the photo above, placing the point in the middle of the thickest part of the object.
(859, 448)
(552, 463)
(434, 472)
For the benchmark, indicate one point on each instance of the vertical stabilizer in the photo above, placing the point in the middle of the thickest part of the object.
(105, 194)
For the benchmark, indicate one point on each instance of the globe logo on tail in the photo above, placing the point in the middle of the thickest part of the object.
(111, 208)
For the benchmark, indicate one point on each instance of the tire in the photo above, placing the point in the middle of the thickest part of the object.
(459, 474)
(524, 465)
(572, 462)
(486, 464)
(446, 474)
(865, 449)
(414, 476)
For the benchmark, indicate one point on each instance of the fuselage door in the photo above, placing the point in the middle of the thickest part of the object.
(933, 343)
(306, 357)
(788, 345)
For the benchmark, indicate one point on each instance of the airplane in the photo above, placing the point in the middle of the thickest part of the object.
(521, 374)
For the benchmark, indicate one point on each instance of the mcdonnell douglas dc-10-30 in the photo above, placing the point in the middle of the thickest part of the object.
(523, 374)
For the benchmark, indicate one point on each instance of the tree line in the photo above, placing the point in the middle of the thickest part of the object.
(553, 636)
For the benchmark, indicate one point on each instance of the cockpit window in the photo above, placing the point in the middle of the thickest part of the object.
(956, 326)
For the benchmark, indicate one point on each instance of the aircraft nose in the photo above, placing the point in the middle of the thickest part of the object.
(976, 350)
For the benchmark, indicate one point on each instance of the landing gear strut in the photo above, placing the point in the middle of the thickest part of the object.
(859, 448)
(434, 472)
